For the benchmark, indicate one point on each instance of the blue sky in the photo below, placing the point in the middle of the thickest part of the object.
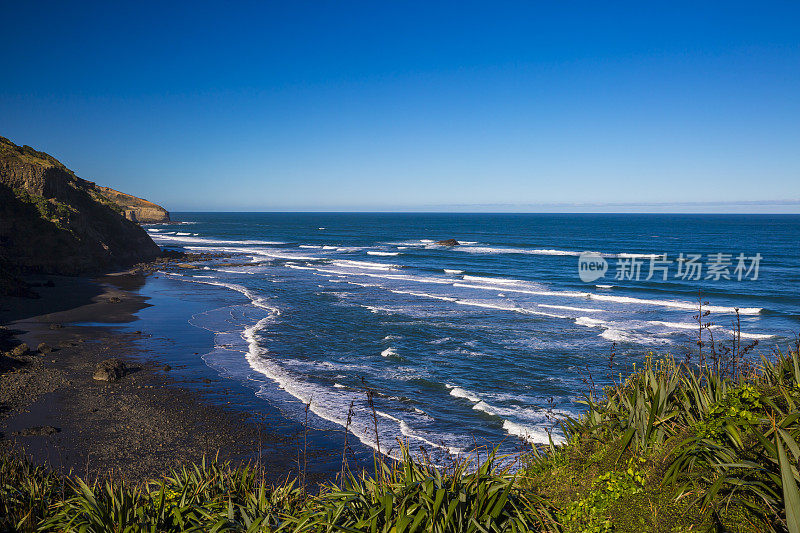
(466, 106)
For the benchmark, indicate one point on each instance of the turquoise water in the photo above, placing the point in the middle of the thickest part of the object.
(486, 342)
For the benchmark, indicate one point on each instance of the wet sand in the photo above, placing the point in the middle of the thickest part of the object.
(154, 418)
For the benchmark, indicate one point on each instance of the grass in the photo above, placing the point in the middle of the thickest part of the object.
(674, 446)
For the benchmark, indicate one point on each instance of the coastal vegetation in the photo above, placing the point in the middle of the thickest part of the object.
(690, 445)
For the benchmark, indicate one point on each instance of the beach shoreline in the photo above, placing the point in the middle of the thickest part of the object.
(155, 417)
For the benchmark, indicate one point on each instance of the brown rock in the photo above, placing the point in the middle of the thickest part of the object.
(20, 349)
(449, 242)
(110, 370)
(44, 348)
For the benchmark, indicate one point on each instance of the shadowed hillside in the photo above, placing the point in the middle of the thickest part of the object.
(53, 222)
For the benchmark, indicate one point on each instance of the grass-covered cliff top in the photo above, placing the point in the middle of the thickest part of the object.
(676, 446)
(26, 154)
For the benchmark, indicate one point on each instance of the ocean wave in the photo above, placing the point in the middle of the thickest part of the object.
(458, 392)
(498, 281)
(387, 254)
(388, 352)
(184, 238)
(515, 309)
(407, 432)
(614, 332)
(510, 250)
(570, 308)
(453, 271)
(346, 263)
(424, 295)
(675, 304)
(529, 424)
(694, 326)
(532, 434)
(256, 252)
(590, 322)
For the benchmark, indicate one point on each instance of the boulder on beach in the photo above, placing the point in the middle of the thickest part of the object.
(110, 370)
(20, 349)
(448, 242)
(44, 348)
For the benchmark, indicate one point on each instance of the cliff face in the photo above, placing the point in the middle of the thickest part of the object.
(52, 221)
(136, 209)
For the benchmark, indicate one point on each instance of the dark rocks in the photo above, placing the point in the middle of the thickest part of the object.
(449, 242)
(167, 368)
(56, 326)
(37, 431)
(20, 349)
(44, 348)
(110, 370)
(115, 299)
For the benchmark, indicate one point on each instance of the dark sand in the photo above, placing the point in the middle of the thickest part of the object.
(52, 410)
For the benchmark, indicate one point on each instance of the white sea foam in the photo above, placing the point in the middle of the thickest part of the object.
(387, 254)
(509, 250)
(363, 264)
(453, 271)
(590, 322)
(257, 252)
(425, 295)
(500, 307)
(675, 325)
(693, 326)
(526, 423)
(498, 281)
(458, 392)
(618, 335)
(407, 432)
(570, 308)
(531, 434)
(388, 352)
(675, 304)
(604, 286)
(184, 238)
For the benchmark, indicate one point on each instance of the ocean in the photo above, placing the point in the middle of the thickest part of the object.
(488, 343)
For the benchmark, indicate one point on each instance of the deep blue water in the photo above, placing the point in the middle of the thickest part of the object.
(488, 341)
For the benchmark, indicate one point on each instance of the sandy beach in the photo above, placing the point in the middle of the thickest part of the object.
(158, 415)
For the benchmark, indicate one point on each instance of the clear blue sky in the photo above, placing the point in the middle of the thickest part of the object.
(331, 105)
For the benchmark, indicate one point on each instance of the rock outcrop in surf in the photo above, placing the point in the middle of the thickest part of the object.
(448, 242)
(53, 222)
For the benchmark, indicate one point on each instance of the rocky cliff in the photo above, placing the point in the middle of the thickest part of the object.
(136, 209)
(52, 221)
